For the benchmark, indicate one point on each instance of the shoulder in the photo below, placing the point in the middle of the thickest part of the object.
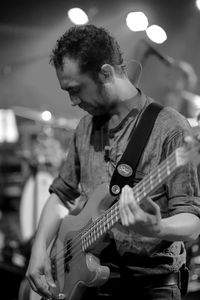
(171, 127)
(170, 120)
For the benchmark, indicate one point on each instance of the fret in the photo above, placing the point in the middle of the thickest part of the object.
(116, 214)
(97, 231)
(159, 177)
(143, 189)
(151, 181)
(94, 232)
(136, 193)
(91, 234)
(109, 221)
(92, 238)
(109, 216)
(112, 222)
(101, 232)
(89, 237)
(168, 168)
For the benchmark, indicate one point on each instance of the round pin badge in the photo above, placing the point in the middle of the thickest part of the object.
(115, 189)
(125, 170)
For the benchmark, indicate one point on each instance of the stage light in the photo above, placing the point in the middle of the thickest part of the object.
(137, 21)
(46, 115)
(156, 34)
(8, 126)
(77, 16)
(198, 4)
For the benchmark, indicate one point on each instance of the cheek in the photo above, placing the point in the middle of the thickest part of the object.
(109, 90)
(90, 93)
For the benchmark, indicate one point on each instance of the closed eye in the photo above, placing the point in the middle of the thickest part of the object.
(73, 91)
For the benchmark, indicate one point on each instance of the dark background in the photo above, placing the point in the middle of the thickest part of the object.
(28, 32)
(29, 29)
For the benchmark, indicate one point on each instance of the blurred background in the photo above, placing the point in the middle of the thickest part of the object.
(161, 48)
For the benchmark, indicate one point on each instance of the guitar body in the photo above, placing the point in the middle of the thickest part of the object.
(81, 238)
(73, 268)
(26, 293)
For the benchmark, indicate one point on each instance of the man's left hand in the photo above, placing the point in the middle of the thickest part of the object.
(145, 221)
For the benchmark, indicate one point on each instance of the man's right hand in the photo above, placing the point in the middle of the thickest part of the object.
(39, 272)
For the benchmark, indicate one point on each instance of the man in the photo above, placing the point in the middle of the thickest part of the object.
(146, 247)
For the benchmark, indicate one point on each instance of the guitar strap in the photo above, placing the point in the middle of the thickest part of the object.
(124, 172)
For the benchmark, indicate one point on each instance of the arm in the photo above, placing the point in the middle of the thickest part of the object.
(180, 204)
(39, 268)
(183, 226)
(148, 222)
(64, 192)
(52, 214)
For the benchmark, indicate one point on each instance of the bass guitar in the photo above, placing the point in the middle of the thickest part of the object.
(80, 239)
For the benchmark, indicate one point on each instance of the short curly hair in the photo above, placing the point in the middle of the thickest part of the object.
(90, 46)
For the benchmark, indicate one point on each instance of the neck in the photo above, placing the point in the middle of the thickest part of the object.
(128, 101)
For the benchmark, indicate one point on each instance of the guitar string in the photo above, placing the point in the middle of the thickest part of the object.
(98, 220)
(88, 228)
(79, 251)
(104, 133)
(138, 192)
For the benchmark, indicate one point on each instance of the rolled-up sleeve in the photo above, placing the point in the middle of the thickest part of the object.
(66, 184)
(183, 187)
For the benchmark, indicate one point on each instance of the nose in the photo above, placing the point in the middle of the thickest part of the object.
(75, 100)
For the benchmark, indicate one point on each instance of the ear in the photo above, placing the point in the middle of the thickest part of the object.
(106, 74)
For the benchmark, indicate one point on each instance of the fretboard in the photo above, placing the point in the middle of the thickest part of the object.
(144, 188)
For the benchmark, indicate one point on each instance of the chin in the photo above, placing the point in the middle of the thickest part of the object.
(94, 113)
(91, 111)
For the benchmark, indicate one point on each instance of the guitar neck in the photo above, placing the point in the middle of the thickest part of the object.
(144, 188)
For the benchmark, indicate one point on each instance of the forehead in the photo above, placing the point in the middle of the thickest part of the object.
(70, 75)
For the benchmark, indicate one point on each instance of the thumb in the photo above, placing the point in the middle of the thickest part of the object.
(49, 278)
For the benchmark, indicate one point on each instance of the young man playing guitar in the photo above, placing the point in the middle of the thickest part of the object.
(144, 244)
